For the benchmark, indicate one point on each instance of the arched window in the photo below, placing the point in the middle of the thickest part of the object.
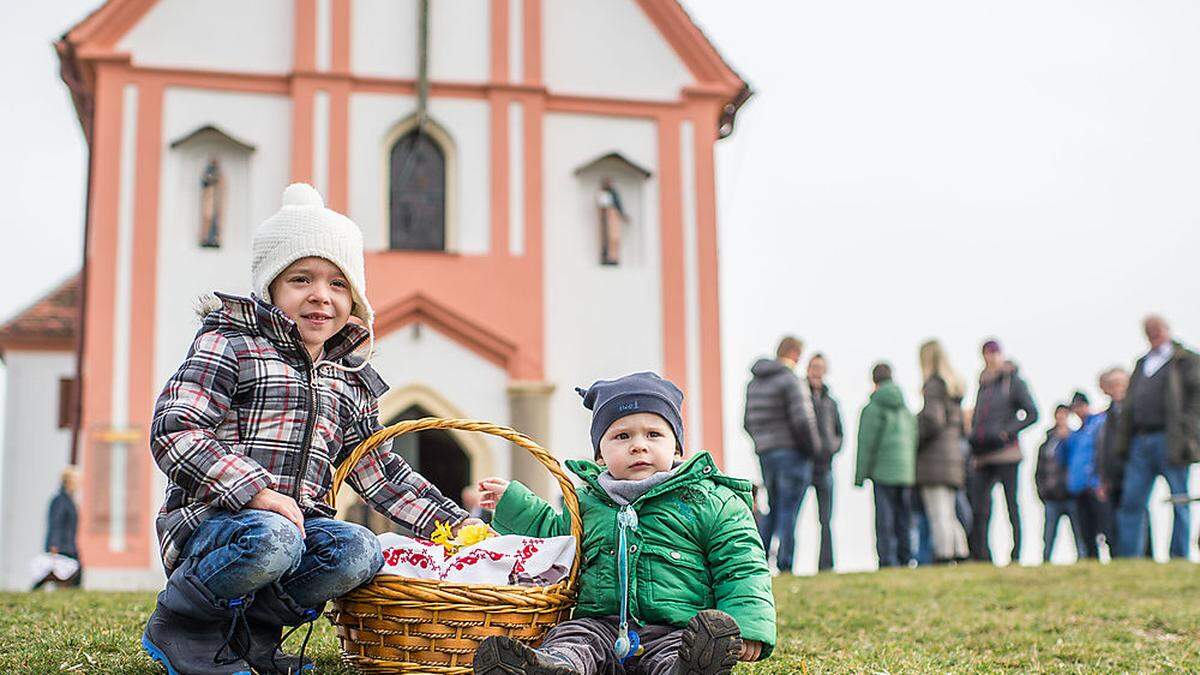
(417, 194)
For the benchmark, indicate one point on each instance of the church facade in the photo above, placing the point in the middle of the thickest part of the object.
(534, 180)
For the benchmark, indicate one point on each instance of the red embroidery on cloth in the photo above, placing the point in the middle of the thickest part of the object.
(470, 558)
(398, 555)
(528, 548)
(395, 556)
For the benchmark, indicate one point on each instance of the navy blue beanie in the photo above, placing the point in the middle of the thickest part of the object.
(610, 400)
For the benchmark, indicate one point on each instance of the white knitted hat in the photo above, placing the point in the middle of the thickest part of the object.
(303, 227)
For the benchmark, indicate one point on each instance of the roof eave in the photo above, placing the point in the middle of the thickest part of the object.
(79, 83)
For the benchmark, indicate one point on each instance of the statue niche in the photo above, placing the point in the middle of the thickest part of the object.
(214, 167)
(615, 186)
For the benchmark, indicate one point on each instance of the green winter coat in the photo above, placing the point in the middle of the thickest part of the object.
(887, 439)
(696, 547)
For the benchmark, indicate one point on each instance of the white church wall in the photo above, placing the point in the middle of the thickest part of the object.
(35, 453)
(252, 192)
(229, 35)
(608, 49)
(372, 118)
(618, 330)
(476, 387)
(383, 39)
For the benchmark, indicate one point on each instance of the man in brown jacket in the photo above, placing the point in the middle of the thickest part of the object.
(1158, 435)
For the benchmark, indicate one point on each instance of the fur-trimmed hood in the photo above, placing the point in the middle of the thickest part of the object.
(254, 316)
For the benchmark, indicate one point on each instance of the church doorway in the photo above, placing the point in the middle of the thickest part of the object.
(435, 454)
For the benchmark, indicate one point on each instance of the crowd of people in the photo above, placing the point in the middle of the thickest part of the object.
(933, 472)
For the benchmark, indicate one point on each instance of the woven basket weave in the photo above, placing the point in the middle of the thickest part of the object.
(399, 625)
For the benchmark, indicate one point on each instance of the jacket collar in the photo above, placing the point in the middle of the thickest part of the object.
(255, 316)
(699, 467)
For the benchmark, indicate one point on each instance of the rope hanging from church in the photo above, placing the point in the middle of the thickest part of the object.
(422, 85)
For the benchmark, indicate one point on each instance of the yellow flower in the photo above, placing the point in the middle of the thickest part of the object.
(473, 534)
(443, 534)
(467, 536)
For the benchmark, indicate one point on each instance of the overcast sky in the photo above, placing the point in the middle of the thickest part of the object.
(932, 168)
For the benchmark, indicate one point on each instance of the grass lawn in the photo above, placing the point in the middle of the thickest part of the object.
(1130, 616)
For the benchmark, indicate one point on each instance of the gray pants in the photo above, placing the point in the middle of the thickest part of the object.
(588, 644)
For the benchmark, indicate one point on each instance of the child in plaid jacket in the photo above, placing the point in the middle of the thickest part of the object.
(270, 400)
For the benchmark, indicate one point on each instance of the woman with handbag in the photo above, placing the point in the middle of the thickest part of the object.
(1004, 407)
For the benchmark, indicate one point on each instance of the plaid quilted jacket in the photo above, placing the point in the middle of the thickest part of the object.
(247, 411)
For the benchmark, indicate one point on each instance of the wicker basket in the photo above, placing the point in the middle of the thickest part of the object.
(400, 625)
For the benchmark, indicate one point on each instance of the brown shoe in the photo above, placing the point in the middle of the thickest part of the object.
(711, 645)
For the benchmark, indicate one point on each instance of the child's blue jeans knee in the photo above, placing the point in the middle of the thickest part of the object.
(239, 553)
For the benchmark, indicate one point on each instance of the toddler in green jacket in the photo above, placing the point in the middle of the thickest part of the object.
(673, 578)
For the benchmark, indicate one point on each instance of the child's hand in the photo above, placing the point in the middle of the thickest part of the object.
(751, 650)
(491, 490)
(277, 502)
(466, 522)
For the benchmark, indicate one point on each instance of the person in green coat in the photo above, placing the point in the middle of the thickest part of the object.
(887, 456)
(673, 579)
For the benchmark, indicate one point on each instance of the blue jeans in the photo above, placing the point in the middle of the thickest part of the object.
(1056, 509)
(786, 475)
(239, 553)
(1147, 461)
(923, 531)
(962, 509)
(893, 524)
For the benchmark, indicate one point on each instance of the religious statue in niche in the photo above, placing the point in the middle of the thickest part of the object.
(612, 217)
(212, 198)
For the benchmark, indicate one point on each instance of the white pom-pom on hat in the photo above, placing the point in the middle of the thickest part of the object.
(302, 194)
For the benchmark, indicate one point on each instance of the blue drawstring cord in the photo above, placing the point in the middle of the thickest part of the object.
(628, 642)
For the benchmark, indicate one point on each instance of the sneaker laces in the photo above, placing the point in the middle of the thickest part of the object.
(310, 617)
(238, 605)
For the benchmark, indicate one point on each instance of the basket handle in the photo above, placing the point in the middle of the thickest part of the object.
(570, 499)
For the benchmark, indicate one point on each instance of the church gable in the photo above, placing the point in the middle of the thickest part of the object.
(633, 49)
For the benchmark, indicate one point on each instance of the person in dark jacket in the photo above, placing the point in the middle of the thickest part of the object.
(62, 524)
(1003, 408)
(940, 466)
(1158, 435)
(781, 422)
(1078, 457)
(1114, 382)
(887, 448)
(1050, 477)
(829, 427)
